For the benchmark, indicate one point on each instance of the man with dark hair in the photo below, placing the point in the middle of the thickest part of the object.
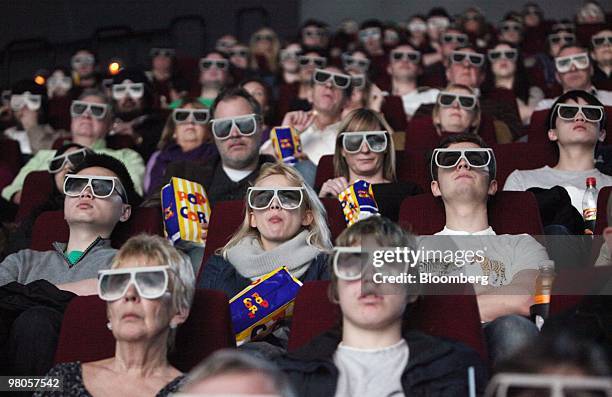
(463, 171)
(134, 115)
(236, 128)
(448, 40)
(576, 122)
(405, 68)
(99, 194)
(574, 72)
(601, 52)
(314, 35)
(214, 76)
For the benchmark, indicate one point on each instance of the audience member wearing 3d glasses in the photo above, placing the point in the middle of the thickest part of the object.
(148, 292)
(601, 52)
(367, 353)
(284, 225)
(92, 208)
(91, 122)
(457, 110)
(508, 73)
(186, 137)
(365, 151)
(214, 76)
(29, 104)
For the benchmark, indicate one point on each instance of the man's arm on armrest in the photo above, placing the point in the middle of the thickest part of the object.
(514, 298)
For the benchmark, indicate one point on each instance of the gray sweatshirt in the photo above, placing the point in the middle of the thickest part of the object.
(27, 265)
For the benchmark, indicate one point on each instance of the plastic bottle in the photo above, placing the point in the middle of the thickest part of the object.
(543, 287)
(589, 205)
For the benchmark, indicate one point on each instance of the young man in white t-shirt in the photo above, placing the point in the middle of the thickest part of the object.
(463, 173)
(576, 122)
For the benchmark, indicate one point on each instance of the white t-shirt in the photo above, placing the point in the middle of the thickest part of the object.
(573, 181)
(317, 143)
(236, 175)
(501, 257)
(414, 99)
(371, 372)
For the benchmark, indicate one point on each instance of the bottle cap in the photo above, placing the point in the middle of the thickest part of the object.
(591, 181)
(547, 264)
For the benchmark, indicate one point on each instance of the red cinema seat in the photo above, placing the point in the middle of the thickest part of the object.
(6, 176)
(225, 219)
(37, 188)
(602, 209)
(538, 127)
(509, 213)
(335, 216)
(393, 110)
(422, 134)
(84, 336)
(10, 155)
(450, 316)
(50, 226)
(572, 285)
(411, 165)
(522, 156)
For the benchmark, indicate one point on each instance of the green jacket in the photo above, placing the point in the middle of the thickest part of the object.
(40, 162)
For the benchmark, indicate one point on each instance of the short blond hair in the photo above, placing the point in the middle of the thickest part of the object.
(477, 111)
(181, 279)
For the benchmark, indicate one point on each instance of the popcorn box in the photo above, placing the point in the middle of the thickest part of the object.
(358, 202)
(258, 309)
(286, 142)
(185, 207)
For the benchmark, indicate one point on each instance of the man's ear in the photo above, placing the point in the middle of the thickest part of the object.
(557, 77)
(307, 218)
(389, 69)
(492, 187)
(448, 73)
(126, 212)
(552, 135)
(602, 135)
(252, 220)
(435, 189)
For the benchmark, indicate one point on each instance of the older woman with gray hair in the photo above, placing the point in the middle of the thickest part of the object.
(149, 290)
(232, 372)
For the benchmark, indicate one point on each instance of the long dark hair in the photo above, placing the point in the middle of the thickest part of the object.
(520, 86)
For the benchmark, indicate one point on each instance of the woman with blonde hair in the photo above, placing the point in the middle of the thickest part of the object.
(284, 225)
(149, 291)
(365, 151)
(186, 136)
(265, 48)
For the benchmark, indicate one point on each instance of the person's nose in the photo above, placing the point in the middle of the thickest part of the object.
(365, 148)
(131, 294)
(573, 67)
(463, 164)
(329, 84)
(455, 104)
(579, 116)
(275, 204)
(87, 192)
